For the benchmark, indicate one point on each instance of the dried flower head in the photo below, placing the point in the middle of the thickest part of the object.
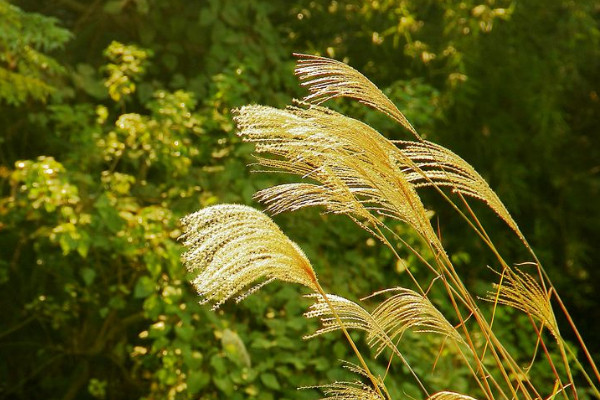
(327, 79)
(445, 395)
(232, 246)
(436, 165)
(357, 169)
(349, 391)
(407, 309)
(521, 291)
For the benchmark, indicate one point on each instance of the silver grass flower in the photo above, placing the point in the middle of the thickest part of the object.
(521, 291)
(445, 395)
(230, 247)
(347, 391)
(327, 79)
(405, 310)
(435, 165)
(357, 169)
(424, 163)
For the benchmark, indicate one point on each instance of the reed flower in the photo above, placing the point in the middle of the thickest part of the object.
(232, 246)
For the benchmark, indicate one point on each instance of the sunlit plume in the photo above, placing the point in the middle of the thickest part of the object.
(231, 247)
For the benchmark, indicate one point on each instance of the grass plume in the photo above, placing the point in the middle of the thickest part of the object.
(347, 167)
(232, 246)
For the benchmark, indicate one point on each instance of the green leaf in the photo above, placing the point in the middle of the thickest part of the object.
(270, 381)
(113, 7)
(196, 380)
(235, 349)
(144, 287)
(185, 332)
(224, 384)
(88, 275)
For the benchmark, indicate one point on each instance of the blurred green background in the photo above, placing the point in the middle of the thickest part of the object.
(115, 122)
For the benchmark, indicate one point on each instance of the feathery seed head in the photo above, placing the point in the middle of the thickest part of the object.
(352, 315)
(356, 167)
(232, 246)
(351, 390)
(327, 79)
(521, 291)
(348, 391)
(407, 309)
(436, 165)
(445, 395)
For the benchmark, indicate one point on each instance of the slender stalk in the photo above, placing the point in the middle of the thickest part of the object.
(539, 333)
(583, 371)
(370, 375)
(578, 335)
(494, 311)
(488, 333)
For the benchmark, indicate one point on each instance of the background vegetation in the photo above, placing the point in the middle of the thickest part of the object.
(115, 121)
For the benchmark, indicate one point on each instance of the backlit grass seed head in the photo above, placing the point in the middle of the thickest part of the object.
(352, 315)
(347, 391)
(521, 291)
(327, 79)
(407, 309)
(394, 316)
(230, 247)
(436, 165)
(356, 167)
(445, 395)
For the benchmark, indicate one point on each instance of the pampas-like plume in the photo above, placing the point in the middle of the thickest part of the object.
(436, 165)
(521, 291)
(405, 310)
(352, 315)
(348, 391)
(232, 246)
(449, 396)
(357, 168)
(351, 390)
(327, 79)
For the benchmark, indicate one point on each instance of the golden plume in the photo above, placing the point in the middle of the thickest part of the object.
(445, 395)
(435, 165)
(521, 291)
(357, 168)
(405, 310)
(348, 391)
(430, 164)
(352, 389)
(327, 79)
(352, 315)
(231, 246)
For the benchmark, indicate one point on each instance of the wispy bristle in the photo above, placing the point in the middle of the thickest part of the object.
(357, 169)
(521, 291)
(229, 247)
(407, 309)
(347, 391)
(445, 395)
(436, 165)
(401, 312)
(327, 79)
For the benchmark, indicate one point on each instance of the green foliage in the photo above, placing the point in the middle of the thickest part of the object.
(26, 71)
(95, 298)
(127, 64)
